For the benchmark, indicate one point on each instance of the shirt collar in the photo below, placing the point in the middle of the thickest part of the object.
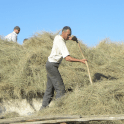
(14, 32)
(62, 38)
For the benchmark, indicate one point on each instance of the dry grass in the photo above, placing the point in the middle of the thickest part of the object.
(23, 75)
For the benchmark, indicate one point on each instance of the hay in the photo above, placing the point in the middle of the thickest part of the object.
(99, 99)
(23, 75)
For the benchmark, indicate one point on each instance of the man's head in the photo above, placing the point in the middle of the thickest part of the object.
(66, 33)
(25, 40)
(17, 29)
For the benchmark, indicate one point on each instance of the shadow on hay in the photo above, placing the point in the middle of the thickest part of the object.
(29, 97)
(99, 77)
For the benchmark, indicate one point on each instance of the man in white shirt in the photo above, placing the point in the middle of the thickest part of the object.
(13, 36)
(54, 80)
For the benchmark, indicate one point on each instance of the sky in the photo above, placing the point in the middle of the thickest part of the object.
(90, 20)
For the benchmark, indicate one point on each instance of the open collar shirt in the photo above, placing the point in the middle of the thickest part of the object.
(59, 50)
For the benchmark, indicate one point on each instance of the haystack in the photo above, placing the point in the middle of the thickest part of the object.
(23, 75)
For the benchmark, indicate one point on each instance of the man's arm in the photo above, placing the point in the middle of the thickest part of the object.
(71, 59)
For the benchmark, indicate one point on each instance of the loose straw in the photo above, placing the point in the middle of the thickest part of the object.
(86, 64)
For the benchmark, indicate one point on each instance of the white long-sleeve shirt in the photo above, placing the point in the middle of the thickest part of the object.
(11, 37)
(59, 50)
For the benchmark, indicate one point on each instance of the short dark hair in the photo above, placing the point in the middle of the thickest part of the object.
(17, 27)
(66, 28)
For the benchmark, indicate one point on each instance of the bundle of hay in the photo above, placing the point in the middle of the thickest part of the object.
(23, 75)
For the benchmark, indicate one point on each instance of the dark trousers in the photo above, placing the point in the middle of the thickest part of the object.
(54, 82)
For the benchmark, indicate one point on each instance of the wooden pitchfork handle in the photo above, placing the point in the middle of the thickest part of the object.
(86, 64)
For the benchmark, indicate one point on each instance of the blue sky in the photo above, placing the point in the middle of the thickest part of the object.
(91, 20)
